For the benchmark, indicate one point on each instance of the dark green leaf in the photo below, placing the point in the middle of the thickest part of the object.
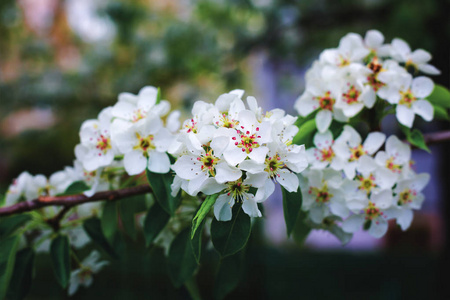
(8, 248)
(155, 221)
(128, 209)
(440, 96)
(158, 96)
(415, 137)
(196, 241)
(60, 253)
(305, 134)
(231, 236)
(75, 188)
(110, 220)
(301, 229)
(9, 225)
(440, 113)
(160, 184)
(203, 212)
(229, 275)
(292, 202)
(181, 260)
(21, 279)
(93, 228)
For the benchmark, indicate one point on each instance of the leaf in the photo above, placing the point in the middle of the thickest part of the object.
(196, 241)
(160, 184)
(231, 236)
(78, 187)
(8, 248)
(158, 96)
(93, 228)
(415, 137)
(20, 283)
(128, 209)
(440, 96)
(181, 260)
(109, 220)
(229, 275)
(301, 230)
(203, 212)
(9, 225)
(155, 221)
(440, 113)
(60, 254)
(305, 134)
(292, 202)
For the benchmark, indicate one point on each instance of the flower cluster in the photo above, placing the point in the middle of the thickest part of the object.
(351, 77)
(352, 182)
(238, 152)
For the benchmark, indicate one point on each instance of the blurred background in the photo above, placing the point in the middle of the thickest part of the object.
(61, 62)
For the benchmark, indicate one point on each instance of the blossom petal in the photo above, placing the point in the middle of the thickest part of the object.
(373, 142)
(422, 86)
(323, 120)
(405, 115)
(222, 207)
(378, 228)
(134, 162)
(424, 109)
(353, 223)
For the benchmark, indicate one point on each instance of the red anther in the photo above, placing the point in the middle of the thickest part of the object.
(259, 136)
(248, 132)
(192, 120)
(238, 184)
(243, 149)
(99, 154)
(255, 143)
(233, 138)
(202, 167)
(278, 158)
(198, 158)
(242, 127)
(278, 175)
(228, 194)
(257, 128)
(250, 149)
(271, 169)
(236, 143)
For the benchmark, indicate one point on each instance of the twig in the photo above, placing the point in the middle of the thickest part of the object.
(72, 200)
(437, 137)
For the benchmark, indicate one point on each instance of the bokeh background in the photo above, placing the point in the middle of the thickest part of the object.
(61, 62)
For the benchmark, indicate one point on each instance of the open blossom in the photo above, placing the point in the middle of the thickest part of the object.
(16, 190)
(238, 152)
(324, 154)
(96, 149)
(83, 275)
(396, 156)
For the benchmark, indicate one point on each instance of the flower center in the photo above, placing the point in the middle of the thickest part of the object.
(237, 190)
(326, 154)
(248, 141)
(226, 122)
(407, 196)
(351, 96)
(144, 143)
(392, 166)
(103, 144)
(326, 101)
(408, 98)
(356, 152)
(85, 274)
(273, 164)
(343, 61)
(138, 115)
(372, 212)
(191, 126)
(376, 68)
(209, 162)
(367, 183)
(322, 195)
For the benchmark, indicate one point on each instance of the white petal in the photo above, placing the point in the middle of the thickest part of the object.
(211, 186)
(339, 209)
(424, 109)
(250, 206)
(383, 199)
(288, 180)
(134, 162)
(420, 56)
(374, 39)
(422, 86)
(373, 142)
(378, 228)
(259, 154)
(429, 69)
(405, 218)
(323, 140)
(323, 120)
(234, 156)
(251, 166)
(405, 115)
(353, 223)
(187, 167)
(158, 162)
(226, 173)
(222, 208)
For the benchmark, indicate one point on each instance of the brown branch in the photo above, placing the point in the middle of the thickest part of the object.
(72, 200)
(436, 137)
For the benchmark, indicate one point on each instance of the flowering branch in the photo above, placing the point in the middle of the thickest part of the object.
(73, 200)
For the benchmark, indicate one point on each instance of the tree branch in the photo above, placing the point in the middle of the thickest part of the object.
(436, 137)
(73, 200)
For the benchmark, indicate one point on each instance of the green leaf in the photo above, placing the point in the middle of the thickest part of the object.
(301, 230)
(160, 184)
(305, 134)
(128, 209)
(181, 260)
(110, 220)
(8, 225)
(75, 188)
(229, 275)
(292, 202)
(158, 96)
(231, 236)
(60, 254)
(93, 228)
(155, 221)
(8, 248)
(20, 283)
(440, 96)
(440, 113)
(415, 137)
(203, 212)
(196, 241)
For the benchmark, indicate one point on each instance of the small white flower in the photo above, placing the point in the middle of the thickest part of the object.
(396, 157)
(16, 190)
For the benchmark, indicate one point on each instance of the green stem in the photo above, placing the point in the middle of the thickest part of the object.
(192, 288)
